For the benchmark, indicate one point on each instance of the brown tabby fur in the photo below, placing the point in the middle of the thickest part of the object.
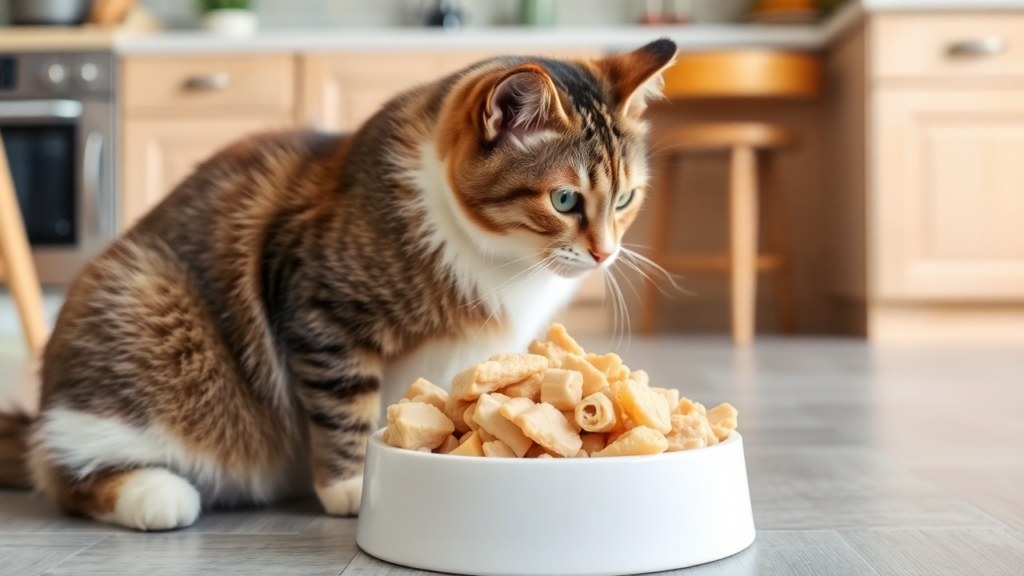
(249, 316)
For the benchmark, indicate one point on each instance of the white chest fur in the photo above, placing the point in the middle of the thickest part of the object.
(521, 293)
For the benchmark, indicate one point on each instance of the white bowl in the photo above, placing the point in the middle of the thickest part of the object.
(587, 517)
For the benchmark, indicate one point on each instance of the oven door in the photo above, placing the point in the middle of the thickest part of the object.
(61, 162)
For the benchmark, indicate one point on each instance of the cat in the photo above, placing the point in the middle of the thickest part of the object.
(231, 348)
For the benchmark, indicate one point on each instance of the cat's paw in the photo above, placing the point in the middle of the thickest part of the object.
(154, 499)
(342, 498)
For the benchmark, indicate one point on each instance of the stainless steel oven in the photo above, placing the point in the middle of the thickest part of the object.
(57, 123)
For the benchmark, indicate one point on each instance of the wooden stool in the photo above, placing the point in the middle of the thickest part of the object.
(16, 261)
(741, 74)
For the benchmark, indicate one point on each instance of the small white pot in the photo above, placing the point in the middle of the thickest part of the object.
(231, 22)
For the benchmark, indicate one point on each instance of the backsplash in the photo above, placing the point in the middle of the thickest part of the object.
(375, 13)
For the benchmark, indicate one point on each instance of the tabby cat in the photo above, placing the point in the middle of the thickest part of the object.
(231, 347)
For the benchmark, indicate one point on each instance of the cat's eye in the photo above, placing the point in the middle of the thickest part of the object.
(624, 199)
(564, 200)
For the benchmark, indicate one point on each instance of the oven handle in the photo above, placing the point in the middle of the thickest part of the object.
(92, 166)
(40, 109)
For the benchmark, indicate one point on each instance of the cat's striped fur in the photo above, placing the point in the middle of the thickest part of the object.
(244, 327)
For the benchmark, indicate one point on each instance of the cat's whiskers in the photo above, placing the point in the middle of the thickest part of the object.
(478, 301)
(536, 270)
(640, 259)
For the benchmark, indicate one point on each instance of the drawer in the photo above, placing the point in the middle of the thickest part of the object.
(152, 85)
(948, 45)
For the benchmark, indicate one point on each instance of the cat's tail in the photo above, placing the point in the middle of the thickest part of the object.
(14, 430)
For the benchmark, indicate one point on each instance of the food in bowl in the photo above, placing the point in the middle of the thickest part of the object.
(557, 401)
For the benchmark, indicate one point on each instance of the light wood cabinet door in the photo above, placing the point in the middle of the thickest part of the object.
(158, 154)
(947, 198)
(340, 91)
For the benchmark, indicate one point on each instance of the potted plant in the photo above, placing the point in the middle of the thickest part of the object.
(228, 17)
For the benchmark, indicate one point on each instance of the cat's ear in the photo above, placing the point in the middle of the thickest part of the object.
(522, 103)
(635, 76)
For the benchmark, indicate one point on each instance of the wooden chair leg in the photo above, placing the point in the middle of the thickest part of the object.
(661, 208)
(16, 257)
(776, 208)
(743, 242)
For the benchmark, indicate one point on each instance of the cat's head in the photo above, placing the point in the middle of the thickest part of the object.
(547, 158)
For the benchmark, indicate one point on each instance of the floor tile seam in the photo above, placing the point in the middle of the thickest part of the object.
(852, 548)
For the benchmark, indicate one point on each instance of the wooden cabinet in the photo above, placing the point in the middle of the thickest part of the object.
(945, 176)
(178, 110)
(160, 153)
(342, 90)
(949, 196)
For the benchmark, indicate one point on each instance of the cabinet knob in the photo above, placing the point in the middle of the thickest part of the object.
(215, 81)
(987, 46)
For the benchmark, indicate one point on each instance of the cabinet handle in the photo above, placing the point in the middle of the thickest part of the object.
(987, 46)
(215, 81)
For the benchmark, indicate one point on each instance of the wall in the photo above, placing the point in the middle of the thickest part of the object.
(353, 13)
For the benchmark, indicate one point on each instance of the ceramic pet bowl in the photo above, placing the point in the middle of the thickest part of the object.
(526, 517)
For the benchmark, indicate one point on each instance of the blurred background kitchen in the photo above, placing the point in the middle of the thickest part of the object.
(822, 168)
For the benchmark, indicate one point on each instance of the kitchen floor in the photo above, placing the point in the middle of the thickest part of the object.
(861, 459)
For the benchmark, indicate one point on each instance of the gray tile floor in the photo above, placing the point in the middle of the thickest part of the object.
(862, 460)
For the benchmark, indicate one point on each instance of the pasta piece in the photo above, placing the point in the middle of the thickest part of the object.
(724, 415)
(545, 455)
(644, 406)
(455, 410)
(671, 395)
(570, 417)
(582, 454)
(514, 406)
(721, 433)
(545, 425)
(527, 388)
(549, 350)
(558, 335)
(563, 389)
(467, 417)
(496, 373)
(593, 379)
(449, 444)
(690, 431)
(488, 416)
(637, 442)
(610, 365)
(595, 413)
(414, 425)
(497, 449)
(686, 406)
(422, 390)
(641, 378)
(471, 446)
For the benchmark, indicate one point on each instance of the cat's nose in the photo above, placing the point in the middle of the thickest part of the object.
(600, 256)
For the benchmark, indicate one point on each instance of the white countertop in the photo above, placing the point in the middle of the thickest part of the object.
(691, 37)
(940, 5)
(611, 39)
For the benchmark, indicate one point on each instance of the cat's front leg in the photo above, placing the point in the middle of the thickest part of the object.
(339, 387)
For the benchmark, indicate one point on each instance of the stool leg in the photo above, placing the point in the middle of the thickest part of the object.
(743, 242)
(661, 207)
(776, 207)
(17, 261)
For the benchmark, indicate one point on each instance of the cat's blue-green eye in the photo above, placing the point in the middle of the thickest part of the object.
(624, 199)
(564, 200)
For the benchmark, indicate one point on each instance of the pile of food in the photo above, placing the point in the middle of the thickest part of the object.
(555, 402)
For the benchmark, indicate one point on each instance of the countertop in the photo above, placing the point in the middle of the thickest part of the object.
(692, 37)
(862, 460)
(611, 39)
